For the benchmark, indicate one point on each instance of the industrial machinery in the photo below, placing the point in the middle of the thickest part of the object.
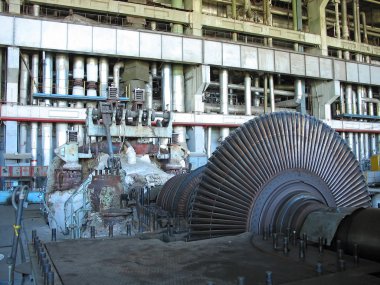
(108, 181)
(286, 177)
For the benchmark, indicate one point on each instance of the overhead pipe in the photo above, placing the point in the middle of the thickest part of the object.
(241, 109)
(103, 76)
(47, 128)
(255, 89)
(62, 87)
(298, 94)
(166, 82)
(78, 89)
(248, 94)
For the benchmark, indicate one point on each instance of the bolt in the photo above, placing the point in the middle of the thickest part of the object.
(53, 234)
(286, 243)
(320, 246)
(340, 254)
(110, 231)
(356, 253)
(304, 237)
(34, 235)
(342, 265)
(319, 269)
(92, 231)
(50, 278)
(301, 253)
(268, 278)
(241, 280)
(294, 237)
(265, 235)
(274, 241)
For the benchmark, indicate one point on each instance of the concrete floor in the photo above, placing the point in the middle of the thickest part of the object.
(32, 219)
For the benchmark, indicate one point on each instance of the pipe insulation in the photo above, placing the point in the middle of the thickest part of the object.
(179, 98)
(103, 76)
(24, 82)
(248, 94)
(166, 81)
(78, 89)
(92, 70)
(47, 81)
(35, 75)
(47, 128)
(116, 74)
(223, 91)
(62, 87)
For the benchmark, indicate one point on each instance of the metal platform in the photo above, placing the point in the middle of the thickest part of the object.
(220, 260)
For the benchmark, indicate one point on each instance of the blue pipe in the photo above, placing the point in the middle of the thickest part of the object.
(33, 197)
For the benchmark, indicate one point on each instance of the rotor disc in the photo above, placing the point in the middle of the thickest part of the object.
(273, 170)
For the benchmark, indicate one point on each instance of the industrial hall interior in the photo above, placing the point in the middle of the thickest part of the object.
(189, 142)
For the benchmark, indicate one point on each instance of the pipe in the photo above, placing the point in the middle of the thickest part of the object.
(47, 128)
(47, 75)
(78, 89)
(240, 109)
(256, 100)
(255, 89)
(62, 87)
(24, 82)
(92, 78)
(209, 137)
(337, 25)
(364, 23)
(116, 74)
(47, 143)
(24, 79)
(62, 77)
(223, 91)
(247, 94)
(178, 88)
(179, 98)
(271, 91)
(349, 99)
(344, 20)
(103, 76)
(36, 10)
(166, 81)
(33, 142)
(35, 74)
(153, 69)
(149, 93)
